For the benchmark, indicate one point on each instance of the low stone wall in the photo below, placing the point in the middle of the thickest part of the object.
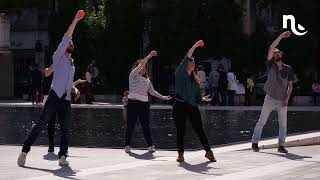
(104, 125)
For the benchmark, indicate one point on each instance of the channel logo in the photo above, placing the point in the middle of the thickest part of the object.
(301, 30)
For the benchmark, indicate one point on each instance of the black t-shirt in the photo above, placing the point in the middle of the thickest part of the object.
(223, 80)
(36, 77)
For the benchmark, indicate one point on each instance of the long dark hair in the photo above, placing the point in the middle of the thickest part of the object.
(135, 64)
(89, 68)
(195, 77)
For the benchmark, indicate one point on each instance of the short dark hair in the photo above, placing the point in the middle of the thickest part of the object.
(220, 66)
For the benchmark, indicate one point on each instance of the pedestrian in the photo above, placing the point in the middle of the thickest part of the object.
(222, 84)
(213, 86)
(232, 86)
(36, 85)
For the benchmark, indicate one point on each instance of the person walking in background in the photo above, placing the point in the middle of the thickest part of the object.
(88, 85)
(278, 89)
(243, 76)
(315, 92)
(125, 99)
(213, 86)
(188, 97)
(138, 102)
(202, 77)
(59, 97)
(250, 89)
(232, 86)
(36, 84)
(222, 84)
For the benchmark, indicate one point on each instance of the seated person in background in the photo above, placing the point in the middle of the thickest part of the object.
(125, 99)
(315, 92)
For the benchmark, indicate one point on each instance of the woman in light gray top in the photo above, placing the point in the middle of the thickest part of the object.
(138, 102)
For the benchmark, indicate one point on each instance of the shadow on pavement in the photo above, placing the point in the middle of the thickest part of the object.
(201, 168)
(51, 156)
(290, 156)
(144, 156)
(64, 172)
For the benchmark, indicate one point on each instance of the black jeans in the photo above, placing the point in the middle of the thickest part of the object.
(215, 95)
(222, 93)
(231, 94)
(52, 106)
(138, 109)
(315, 95)
(51, 130)
(34, 90)
(182, 111)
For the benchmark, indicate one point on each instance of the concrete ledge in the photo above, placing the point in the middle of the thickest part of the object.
(100, 105)
(306, 139)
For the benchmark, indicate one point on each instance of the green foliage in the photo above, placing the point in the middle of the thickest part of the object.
(18, 4)
(113, 37)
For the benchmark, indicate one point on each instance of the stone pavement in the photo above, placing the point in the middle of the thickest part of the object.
(97, 163)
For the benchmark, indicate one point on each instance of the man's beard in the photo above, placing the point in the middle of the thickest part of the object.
(69, 50)
(277, 59)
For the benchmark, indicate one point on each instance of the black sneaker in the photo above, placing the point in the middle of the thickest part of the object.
(255, 147)
(281, 149)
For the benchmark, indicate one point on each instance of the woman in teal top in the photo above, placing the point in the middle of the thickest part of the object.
(188, 97)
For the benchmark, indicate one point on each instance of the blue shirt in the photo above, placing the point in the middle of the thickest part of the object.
(63, 74)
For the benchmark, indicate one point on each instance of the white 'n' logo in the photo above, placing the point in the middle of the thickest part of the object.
(292, 19)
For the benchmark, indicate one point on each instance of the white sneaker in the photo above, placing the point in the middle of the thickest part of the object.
(63, 161)
(127, 149)
(151, 149)
(22, 159)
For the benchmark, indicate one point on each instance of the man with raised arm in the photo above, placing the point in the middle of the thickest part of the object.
(278, 89)
(59, 97)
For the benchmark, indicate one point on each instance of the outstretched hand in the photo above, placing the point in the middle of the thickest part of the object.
(153, 53)
(206, 98)
(199, 43)
(167, 98)
(80, 15)
(286, 34)
(77, 95)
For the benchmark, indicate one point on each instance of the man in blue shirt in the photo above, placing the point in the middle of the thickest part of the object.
(59, 97)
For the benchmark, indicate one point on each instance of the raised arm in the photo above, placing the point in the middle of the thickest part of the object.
(77, 18)
(68, 35)
(184, 63)
(199, 43)
(276, 42)
(143, 63)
